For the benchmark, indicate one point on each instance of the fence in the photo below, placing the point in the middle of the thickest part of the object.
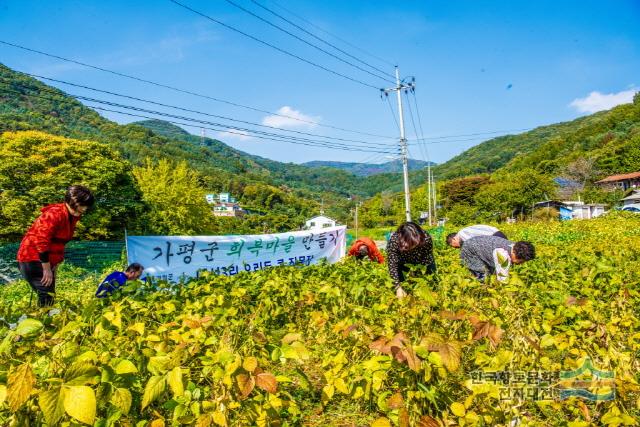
(90, 256)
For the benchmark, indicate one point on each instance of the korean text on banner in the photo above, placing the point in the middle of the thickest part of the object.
(173, 257)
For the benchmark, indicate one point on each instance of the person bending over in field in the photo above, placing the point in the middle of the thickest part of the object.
(364, 247)
(494, 254)
(455, 240)
(410, 244)
(42, 247)
(117, 280)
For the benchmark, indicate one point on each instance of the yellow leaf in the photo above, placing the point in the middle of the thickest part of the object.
(19, 385)
(174, 378)
(341, 386)
(458, 409)
(114, 318)
(126, 367)
(381, 422)
(121, 399)
(137, 327)
(51, 404)
(158, 422)
(250, 364)
(80, 403)
(154, 388)
(3, 393)
(219, 419)
(291, 337)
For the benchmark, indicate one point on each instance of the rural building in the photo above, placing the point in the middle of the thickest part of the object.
(623, 181)
(228, 209)
(319, 221)
(573, 209)
(220, 198)
(632, 199)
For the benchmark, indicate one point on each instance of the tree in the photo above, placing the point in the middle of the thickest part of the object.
(174, 199)
(581, 171)
(36, 168)
(462, 190)
(512, 193)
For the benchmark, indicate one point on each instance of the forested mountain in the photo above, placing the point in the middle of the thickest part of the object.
(368, 169)
(611, 138)
(505, 176)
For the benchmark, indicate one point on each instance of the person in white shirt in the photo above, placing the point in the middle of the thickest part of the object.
(456, 240)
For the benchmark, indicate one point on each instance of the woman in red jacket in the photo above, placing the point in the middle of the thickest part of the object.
(365, 247)
(42, 248)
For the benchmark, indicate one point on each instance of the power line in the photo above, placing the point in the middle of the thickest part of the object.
(286, 52)
(199, 112)
(333, 35)
(188, 92)
(320, 39)
(231, 2)
(234, 130)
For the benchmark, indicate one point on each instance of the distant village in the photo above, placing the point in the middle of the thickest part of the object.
(572, 209)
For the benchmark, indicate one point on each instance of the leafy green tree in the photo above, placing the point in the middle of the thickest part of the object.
(175, 200)
(514, 193)
(36, 168)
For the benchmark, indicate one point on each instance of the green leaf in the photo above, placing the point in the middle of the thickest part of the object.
(80, 403)
(174, 378)
(19, 385)
(51, 404)
(121, 399)
(81, 373)
(125, 367)
(154, 388)
(29, 328)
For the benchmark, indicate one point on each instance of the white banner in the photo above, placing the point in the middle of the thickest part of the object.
(172, 257)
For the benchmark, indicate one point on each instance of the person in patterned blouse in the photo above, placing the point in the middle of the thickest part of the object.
(410, 244)
(494, 254)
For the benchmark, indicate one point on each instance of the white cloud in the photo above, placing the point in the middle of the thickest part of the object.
(237, 134)
(597, 101)
(293, 119)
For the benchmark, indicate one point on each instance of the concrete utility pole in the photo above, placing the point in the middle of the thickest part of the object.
(356, 220)
(403, 141)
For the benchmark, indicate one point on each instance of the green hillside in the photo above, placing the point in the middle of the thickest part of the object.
(611, 137)
(368, 169)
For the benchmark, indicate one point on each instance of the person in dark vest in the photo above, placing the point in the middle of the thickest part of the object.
(493, 254)
(42, 247)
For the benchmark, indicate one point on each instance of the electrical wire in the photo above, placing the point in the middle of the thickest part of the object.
(333, 35)
(187, 92)
(266, 21)
(237, 131)
(286, 52)
(199, 112)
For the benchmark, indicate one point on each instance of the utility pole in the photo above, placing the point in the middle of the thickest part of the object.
(403, 141)
(429, 191)
(356, 220)
(433, 196)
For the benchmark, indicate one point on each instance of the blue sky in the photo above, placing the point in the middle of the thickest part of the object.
(480, 66)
